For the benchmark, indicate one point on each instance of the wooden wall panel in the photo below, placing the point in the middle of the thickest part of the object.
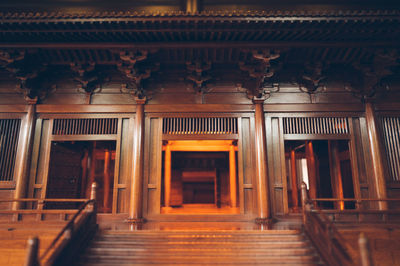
(246, 148)
(122, 203)
(126, 141)
(152, 165)
(6, 194)
(248, 202)
(359, 151)
(121, 184)
(366, 157)
(276, 165)
(41, 154)
(245, 166)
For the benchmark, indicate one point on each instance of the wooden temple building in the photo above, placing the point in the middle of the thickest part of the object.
(187, 113)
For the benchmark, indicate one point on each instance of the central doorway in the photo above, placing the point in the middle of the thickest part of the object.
(199, 177)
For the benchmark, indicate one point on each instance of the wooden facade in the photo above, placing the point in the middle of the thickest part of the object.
(314, 88)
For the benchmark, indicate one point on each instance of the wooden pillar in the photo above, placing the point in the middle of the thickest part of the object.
(192, 6)
(84, 165)
(107, 181)
(295, 194)
(336, 175)
(264, 206)
(92, 168)
(135, 207)
(376, 155)
(232, 175)
(167, 175)
(25, 144)
(312, 170)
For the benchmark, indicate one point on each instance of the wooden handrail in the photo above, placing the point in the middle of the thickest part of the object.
(348, 199)
(66, 230)
(365, 252)
(32, 253)
(64, 236)
(43, 200)
(333, 248)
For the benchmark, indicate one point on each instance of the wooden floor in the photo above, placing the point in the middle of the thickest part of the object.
(199, 209)
(14, 237)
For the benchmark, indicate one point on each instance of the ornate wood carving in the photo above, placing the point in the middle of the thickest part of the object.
(369, 80)
(312, 80)
(88, 77)
(260, 69)
(33, 82)
(135, 74)
(198, 73)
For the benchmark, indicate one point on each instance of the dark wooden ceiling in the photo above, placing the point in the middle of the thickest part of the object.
(75, 34)
(260, 27)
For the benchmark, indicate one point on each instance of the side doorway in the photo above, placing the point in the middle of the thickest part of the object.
(74, 166)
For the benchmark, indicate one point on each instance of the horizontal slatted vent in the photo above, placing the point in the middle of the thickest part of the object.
(9, 134)
(315, 125)
(85, 126)
(200, 125)
(391, 132)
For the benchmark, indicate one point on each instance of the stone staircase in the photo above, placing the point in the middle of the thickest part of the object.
(273, 247)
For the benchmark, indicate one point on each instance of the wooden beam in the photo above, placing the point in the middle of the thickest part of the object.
(312, 170)
(167, 175)
(199, 145)
(107, 179)
(84, 108)
(232, 175)
(295, 197)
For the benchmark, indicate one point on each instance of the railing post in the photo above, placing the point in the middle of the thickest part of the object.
(68, 233)
(365, 252)
(304, 201)
(93, 205)
(32, 252)
(93, 191)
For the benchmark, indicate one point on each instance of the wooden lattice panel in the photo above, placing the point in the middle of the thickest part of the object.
(9, 135)
(315, 125)
(85, 126)
(200, 125)
(391, 132)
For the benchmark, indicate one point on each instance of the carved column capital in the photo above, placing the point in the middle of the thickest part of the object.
(140, 101)
(257, 100)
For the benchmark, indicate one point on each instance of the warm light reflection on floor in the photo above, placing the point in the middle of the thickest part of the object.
(199, 209)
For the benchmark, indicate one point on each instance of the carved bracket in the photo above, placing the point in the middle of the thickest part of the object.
(28, 72)
(260, 69)
(369, 80)
(312, 80)
(135, 74)
(198, 73)
(87, 77)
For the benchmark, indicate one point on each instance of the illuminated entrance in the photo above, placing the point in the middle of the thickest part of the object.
(199, 177)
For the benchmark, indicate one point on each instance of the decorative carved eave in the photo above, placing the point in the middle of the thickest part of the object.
(29, 74)
(135, 74)
(281, 15)
(372, 79)
(260, 70)
(132, 27)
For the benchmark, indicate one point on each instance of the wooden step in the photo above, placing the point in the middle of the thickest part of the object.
(275, 247)
(173, 258)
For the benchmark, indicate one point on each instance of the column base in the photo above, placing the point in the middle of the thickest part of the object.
(137, 221)
(264, 222)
